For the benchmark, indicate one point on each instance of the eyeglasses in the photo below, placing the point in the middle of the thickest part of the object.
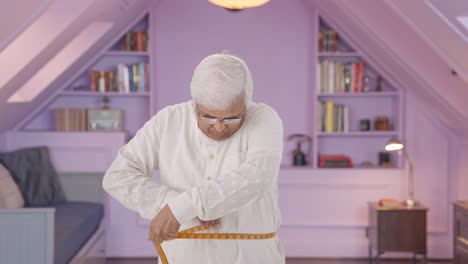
(227, 122)
(214, 121)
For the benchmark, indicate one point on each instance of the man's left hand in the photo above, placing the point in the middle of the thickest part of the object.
(164, 226)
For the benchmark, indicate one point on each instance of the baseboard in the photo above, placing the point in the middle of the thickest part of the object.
(349, 243)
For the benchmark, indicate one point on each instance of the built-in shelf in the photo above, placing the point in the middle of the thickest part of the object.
(70, 132)
(360, 94)
(358, 168)
(348, 90)
(87, 93)
(126, 53)
(291, 167)
(338, 54)
(357, 134)
(285, 167)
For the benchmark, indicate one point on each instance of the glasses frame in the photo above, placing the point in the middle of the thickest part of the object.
(227, 122)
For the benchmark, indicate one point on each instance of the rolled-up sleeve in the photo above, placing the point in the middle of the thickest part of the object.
(129, 178)
(258, 174)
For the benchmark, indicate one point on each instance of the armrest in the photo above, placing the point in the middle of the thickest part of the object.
(33, 230)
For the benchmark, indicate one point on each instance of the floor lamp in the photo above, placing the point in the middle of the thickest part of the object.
(396, 145)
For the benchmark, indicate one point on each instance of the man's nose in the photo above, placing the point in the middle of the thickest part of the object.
(219, 126)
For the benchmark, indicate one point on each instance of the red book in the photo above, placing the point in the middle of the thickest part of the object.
(355, 79)
(107, 81)
(320, 41)
(360, 75)
(140, 41)
(137, 41)
(93, 81)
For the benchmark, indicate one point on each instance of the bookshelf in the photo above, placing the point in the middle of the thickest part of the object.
(120, 73)
(349, 96)
(100, 94)
(367, 94)
(126, 53)
(342, 54)
(357, 134)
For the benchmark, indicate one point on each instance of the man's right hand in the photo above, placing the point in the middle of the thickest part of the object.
(211, 223)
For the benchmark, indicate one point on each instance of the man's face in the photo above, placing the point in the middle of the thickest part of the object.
(221, 124)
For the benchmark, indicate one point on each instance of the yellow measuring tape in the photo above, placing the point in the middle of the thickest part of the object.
(191, 234)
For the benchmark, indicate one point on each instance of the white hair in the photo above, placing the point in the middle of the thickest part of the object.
(219, 80)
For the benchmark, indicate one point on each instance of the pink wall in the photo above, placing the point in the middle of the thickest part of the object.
(459, 167)
(276, 41)
(275, 44)
(2, 141)
(404, 54)
(121, 13)
(277, 47)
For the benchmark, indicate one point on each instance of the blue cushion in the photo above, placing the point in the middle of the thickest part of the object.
(75, 223)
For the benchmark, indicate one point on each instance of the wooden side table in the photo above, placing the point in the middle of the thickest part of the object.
(399, 228)
(460, 232)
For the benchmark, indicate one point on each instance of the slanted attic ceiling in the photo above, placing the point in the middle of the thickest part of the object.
(119, 13)
(411, 43)
(408, 58)
(19, 17)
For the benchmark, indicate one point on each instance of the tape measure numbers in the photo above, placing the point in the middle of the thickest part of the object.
(191, 234)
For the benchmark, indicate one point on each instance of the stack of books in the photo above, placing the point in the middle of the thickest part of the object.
(126, 79)
(327, 41)
(332, 117)
(340, 77)
(134, 41)
(70, 119)
(389, 203)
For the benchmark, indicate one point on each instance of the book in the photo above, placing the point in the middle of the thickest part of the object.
(70, 119)
(329, 116)
(389, 202)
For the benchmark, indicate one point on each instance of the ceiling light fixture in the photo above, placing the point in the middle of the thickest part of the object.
(238, 4)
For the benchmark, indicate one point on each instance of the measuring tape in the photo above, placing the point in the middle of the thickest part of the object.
(191, 234)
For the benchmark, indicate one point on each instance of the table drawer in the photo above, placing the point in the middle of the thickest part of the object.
(461, 251)
(402, 231)
(460, 232)
(461, 214)
(461, 225)
(460, 259)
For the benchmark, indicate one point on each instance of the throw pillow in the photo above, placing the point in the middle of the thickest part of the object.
(10, 195)
(35, 175)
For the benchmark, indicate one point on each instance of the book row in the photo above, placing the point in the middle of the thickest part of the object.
(134, 41)
(126, 78)
(327, 41)
(86, 119)
(341, 77)
(332, 117)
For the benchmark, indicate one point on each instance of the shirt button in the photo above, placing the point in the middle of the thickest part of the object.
(209, 178)
(212, 156)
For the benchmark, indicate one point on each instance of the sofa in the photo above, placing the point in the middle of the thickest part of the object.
(45, 228)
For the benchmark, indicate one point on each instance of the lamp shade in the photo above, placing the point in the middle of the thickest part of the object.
(394, 145)
(238, 4)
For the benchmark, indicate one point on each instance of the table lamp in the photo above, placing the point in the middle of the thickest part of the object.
(396, 145)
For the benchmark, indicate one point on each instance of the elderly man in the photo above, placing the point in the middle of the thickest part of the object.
(218, 157)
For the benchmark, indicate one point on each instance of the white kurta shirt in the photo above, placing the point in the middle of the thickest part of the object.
(234, 180)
